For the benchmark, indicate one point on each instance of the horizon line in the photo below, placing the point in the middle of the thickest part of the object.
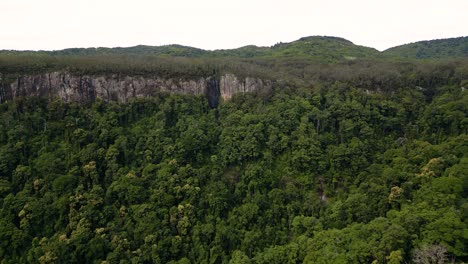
(220, 49)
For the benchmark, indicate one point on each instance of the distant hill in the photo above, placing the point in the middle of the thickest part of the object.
(431, 49)
(169, 50)
(316, 48)
(321, 48)
(140, 50)
(304, 61)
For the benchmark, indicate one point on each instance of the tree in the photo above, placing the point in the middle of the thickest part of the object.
(431, 254)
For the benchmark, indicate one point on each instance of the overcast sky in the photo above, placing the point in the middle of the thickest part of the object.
(219, 24)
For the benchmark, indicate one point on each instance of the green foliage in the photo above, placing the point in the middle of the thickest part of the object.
(317, 48)
(439, 48)
(333, 173)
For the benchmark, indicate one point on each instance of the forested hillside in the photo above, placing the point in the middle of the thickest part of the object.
(343, 160)
(440, 48)
(317, 48)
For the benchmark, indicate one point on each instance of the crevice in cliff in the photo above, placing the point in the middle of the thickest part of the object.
(212, 91)
(2, 92)
(18, 88)
(49, 88)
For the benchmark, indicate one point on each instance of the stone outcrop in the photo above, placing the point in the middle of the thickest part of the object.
(86, 88)
(230, 85)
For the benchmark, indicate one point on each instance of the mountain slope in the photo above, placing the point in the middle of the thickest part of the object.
(321, 48)
(431, 49)
(169, 50)
(315, 48)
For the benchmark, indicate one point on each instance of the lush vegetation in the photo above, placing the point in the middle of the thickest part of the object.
(325, 49)
(329, 174)
(304, 62)
(282, 61)
(315, 48)
(343, 161)
(441, 48)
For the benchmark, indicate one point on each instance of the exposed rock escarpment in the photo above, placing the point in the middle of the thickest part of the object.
(86, 88)
(231, 85)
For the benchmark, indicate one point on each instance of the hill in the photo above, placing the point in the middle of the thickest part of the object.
(431, 49)
(140, 50)
(318, 48)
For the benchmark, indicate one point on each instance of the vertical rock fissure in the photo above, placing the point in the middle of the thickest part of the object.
(49, 90)
(212, 92)
(18, 87)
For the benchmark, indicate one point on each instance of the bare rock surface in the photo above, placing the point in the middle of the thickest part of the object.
(86, 88)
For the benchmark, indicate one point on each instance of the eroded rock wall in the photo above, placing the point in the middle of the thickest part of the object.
(85, 88)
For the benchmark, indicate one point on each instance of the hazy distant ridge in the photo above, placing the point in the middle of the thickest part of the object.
(322, 48)
(432, 49)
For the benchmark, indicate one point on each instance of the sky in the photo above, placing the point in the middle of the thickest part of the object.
(219, 24)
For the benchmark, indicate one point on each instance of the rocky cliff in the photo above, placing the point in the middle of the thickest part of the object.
(86, 88)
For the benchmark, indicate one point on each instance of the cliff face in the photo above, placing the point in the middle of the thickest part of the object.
(231, 85)
(86, 88)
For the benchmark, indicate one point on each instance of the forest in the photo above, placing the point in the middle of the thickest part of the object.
(343, 161)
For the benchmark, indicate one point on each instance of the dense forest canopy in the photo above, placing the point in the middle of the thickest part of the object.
(351, 157)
